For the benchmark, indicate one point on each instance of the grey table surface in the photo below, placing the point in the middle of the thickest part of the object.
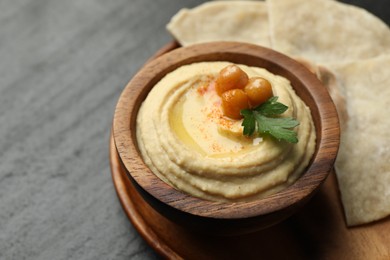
(63, 65)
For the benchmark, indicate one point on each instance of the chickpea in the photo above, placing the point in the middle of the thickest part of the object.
(230, 77)
(233, 101)
(258, 90)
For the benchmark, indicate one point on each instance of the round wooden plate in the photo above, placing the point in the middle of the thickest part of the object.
(318, 231)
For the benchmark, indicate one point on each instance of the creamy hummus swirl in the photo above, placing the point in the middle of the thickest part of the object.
(188, 143)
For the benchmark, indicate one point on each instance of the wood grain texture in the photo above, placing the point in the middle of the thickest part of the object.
(317, 231)
(218, 217)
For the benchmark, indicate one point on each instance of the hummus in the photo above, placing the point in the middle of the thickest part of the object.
(188, 143)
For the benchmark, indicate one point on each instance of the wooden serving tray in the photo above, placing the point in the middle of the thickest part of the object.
(318, 231)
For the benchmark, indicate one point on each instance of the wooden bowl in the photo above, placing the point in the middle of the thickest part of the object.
(218, 217)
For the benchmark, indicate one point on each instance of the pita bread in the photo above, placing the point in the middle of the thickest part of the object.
(337, 94)
(363, 162)
(326, 30)
(361, 94)
(240, 21)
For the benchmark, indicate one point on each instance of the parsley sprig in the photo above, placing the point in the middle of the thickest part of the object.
(263, 119)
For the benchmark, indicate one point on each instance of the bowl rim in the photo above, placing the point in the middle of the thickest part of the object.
(327, 143)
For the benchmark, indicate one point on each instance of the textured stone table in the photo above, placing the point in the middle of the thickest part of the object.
(63, 65)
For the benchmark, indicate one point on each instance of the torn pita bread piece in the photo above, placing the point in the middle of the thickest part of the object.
(363, 163)
(326, 30)
(329, 80)
(240, 21)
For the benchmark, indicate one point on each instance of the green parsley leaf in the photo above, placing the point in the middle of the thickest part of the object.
(249, 122)
(262, 119)
(277, 127)
(271, 107)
